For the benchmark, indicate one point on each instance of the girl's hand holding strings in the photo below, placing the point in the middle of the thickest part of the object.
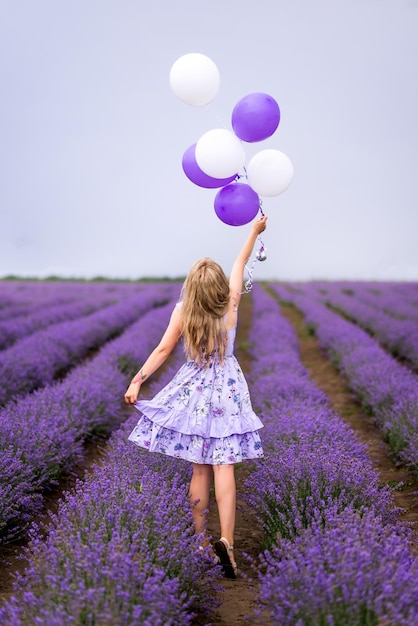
(260, 225)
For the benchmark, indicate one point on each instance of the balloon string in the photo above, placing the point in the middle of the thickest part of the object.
(248, 285)
(216, 116)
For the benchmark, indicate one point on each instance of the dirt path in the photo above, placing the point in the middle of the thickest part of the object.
(239, 596)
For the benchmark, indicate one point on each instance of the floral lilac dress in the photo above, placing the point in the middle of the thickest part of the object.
(204, 415)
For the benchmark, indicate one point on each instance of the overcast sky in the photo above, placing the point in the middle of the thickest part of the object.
(92, 136)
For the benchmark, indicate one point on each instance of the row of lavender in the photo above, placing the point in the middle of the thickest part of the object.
(336, 554)
(37, 359)
(22, 296)
(29, 306)
(391, 299)
(399, 300)
(42, 434)
(384, 386)
(406, 292)
(391, 319)
(121, 548)
(35, 318)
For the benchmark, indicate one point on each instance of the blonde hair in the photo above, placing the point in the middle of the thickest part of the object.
(205, 298)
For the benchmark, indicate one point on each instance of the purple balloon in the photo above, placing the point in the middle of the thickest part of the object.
(255, 117)
(236, 204)
(197, 176)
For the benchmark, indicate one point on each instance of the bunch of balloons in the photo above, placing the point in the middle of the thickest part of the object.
(218, 158)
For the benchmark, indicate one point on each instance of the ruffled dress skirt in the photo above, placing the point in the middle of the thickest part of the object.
(204, 415)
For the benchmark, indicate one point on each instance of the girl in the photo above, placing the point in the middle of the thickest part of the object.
(204, 415)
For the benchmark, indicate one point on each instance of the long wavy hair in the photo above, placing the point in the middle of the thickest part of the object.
(205, 299)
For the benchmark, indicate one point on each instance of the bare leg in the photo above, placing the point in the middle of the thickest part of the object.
(199, 494)
(226, 497)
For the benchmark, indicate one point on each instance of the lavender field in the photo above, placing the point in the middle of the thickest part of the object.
(333, 548)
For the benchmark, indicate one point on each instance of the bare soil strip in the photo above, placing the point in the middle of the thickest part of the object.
(239, 596)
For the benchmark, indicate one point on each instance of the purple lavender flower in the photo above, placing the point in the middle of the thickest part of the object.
(318, 500)
(42, 434)
(347, 570)
(381, 383)
(36, 361)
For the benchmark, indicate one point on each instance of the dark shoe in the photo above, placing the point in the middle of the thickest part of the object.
(222, 550)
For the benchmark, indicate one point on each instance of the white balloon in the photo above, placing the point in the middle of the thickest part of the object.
(219, 153)
(194, 78)
(270, 172)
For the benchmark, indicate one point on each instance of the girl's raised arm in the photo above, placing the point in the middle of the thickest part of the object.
(237, 272)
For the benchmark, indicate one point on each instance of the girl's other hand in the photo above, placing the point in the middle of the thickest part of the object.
(131, 395)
